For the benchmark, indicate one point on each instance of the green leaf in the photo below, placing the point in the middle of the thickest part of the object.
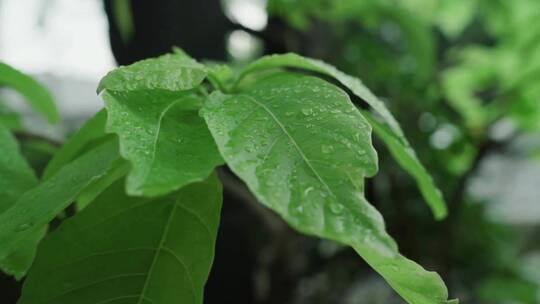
(406, 158)
(93, 129)
(172, 72)
(9, 118)
(352, 83)
(454, 16)
(16, 177)
(130, 250)
(303, 149)
(35, 208)
(164, 138)
(37, 95)
(355, 85)
(18, 262)
(118, 169)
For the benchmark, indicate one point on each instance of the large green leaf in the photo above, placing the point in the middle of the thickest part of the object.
(172, 72)
(303, 149)
(130, 250)
(92, 130)
(436, 202)
(16, 177)
(37, 95)
(35, 208)
(406, 158)
(164, 138)
(352, 83)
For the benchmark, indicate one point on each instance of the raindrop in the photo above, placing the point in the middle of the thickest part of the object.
(307, 191)
(23, 227)
(307, 111)
(327, 149)
(336, 208)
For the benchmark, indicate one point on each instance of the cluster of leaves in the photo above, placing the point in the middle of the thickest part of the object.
(147, 201)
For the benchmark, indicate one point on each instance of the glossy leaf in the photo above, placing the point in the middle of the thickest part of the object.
(130, 250)
(303, 149)
(35, 208)
(164, 138)
(430, 191)
(37, 95)
(406, 158)
(16, 177)
(352, 83)
(172, 72)
(93, 129)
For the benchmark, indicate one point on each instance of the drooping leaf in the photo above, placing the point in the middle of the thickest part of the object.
(35, 208)
(93, 129)
(406, 158)
(172, 72)
(436, 202)
(303, 149)
(164, 138)
(130, 250)
(16, 177)
(37, 95)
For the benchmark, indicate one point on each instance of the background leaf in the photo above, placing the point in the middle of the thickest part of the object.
(37, 95)
(307, 162)
(163, 137)
(155, 250)
(16, 177)
(92, 130)
(35, 208)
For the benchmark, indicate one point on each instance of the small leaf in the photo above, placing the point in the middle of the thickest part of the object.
(130, 250)
(37, 95)
(406, 158)
(172, 72)
(35, 208)
(303, 149)
(93, 129)
(164, 138)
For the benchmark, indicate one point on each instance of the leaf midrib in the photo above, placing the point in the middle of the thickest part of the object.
(156, 136)
(161, 247)
(293, 141)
